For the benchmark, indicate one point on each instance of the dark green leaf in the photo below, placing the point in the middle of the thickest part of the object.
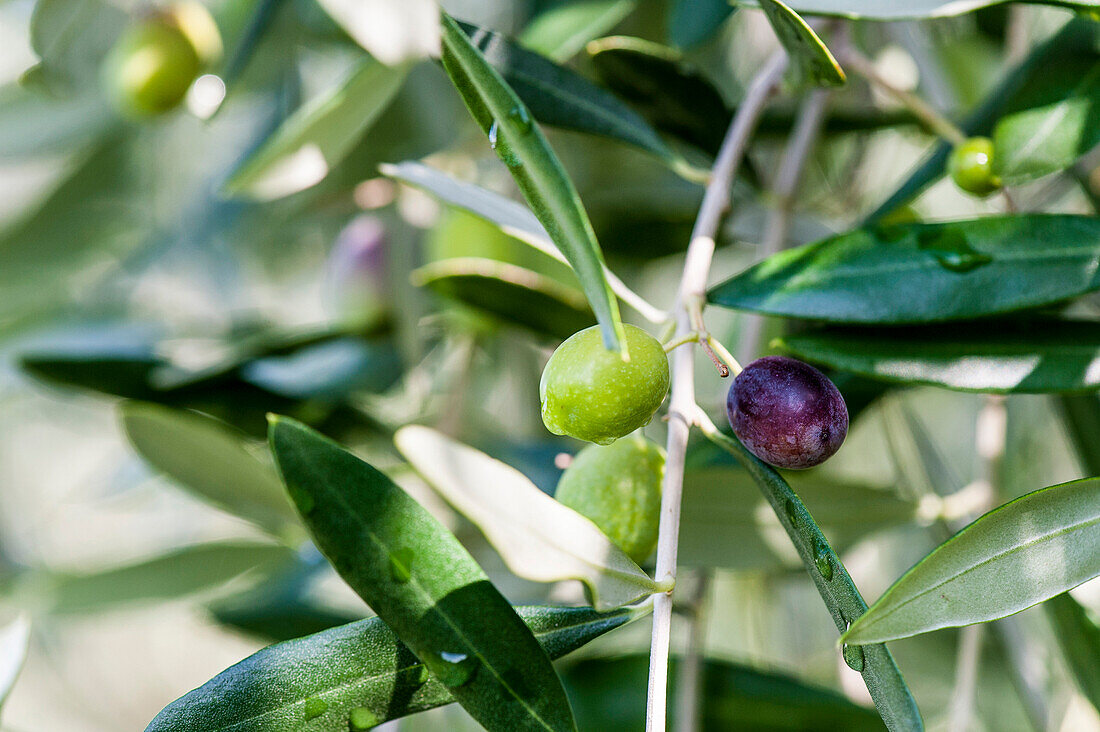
(422, 583)
(560, 97)
(176, 574)
(1058, 122)
(313, 684)
(690, 22)
(512, 293)
(561, 30)
(610, 693)
(888, 689)
(1013, 557)
(211, 460)
(811, 61)
(1079, 637)
(1027, 356)
(1081, 413)
(540, 176)
(923, 273)
(317, 136)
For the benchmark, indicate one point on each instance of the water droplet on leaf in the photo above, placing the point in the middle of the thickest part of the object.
(315, 708)
(950, 250)
(362, 718)
(502, 149)
(521, 118)
(453, 669)
(853, 656)
(822, 560)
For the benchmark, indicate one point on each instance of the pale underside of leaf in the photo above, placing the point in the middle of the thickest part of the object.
(538, 538)
(13, 651)
(1013, 557)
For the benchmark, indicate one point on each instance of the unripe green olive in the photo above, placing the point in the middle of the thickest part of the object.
(618, 487)
(971, 167)
(591, 393)
(151, 67)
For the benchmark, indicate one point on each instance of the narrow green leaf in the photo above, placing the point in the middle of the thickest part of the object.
(726, 523)
(891, 695)
(313, 684)
(610, 693)
(560, 31)
(176, 574)
(1058, 123)
(212, 461)
(520, 143)
(512, 293)
(559, 97)
(14, 638)
(811, 61)
(317, 136)
(1081, 414)
(1079, 637)
(916, 9)
(538, 538)
(422, 583)
(924, 273)
(1027, 356)
(1013, 557)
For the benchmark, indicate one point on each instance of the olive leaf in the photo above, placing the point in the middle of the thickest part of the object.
(924, 273)
(422, 583)
(319, 135)
(901, 9)
(538, 538)
(1079, 637)
(811, 61)
(360, 671)
(1039, 356)
(512, 293)
(520, 143)
(14, 638)
(1013, 557)
(212, 461)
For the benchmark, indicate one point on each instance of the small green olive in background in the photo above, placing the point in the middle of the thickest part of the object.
(618, 487)
(971, 167)
(591, 393)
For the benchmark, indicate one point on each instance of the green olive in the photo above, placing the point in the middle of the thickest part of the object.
(971, 167)
(151, 67)
(618, 487)
(591, 393)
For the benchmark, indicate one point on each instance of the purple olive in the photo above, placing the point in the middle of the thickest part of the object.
(787, 413)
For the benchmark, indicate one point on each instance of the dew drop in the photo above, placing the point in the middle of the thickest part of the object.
(401, 565)
(521, 118)
(792, 512)
(853, 656)
(822, 560)
(950, 250)
(315, 708)
(502, 149)
(362, 718)
(454, 669)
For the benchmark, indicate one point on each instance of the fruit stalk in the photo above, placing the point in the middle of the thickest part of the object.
(682, 405)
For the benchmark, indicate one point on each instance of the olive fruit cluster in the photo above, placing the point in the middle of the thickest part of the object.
(971, 167)
(591, 393)
(618, 487)
(787, 413)
(156, 59)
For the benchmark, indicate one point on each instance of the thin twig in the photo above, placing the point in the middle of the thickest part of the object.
(939, 124)
(692, 290)
(811, 115)
(689, 684)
